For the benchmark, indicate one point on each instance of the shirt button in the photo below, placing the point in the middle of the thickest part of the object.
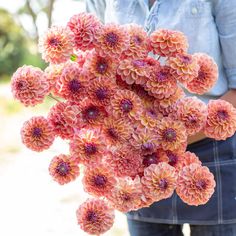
(194, 10)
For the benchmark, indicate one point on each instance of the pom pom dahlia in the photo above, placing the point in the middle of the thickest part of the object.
(117, 131)
(221, 120)
(98, 180)
(88, 146)
(95, 216)
(190, 158)
(193, 113)
(138, 42)
(161, 83)
(195, 184)
(126, 195)
(84, 27)
(63, 169)
(134, 71)
(126, 104)
(168, 43)
(56, 45)
(72, 84)
(112, 40)
(184, 67)
(37, 134)
(29, 85)
(159, 181)
(172, 134)
(207, 75)
(99, 66)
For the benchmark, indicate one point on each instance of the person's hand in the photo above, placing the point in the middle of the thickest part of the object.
(197, 137)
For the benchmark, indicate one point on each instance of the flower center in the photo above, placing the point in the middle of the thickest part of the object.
(101, 93)
(201, 75)
(100, 180)
(148, 146)
(150, 159)
(112, 133)
(152, 113)
(91, 113)
(74, 86)
(163, 184)
(139, 63)
(222, 114)
(37, 132)
(201, 184)
(126, 105)
(102, 66)
(169, 135)
(186, 59)
(54, 42)
(137, 40)
(126, 197)
(173, 159)
(111, 39)
(21, 85)
(63, 168)
(162, 76)
(90, 148)
(92, 216)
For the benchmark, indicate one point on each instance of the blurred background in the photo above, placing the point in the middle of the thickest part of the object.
(31, 203)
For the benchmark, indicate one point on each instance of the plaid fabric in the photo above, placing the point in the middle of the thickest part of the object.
(220, 158)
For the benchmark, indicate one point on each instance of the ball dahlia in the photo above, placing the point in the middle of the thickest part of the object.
(84, 27)
(56, 45)
(168, 43)
(195, 184)
(95, 216)
(29, 85)
(159, 181)
(37, 134)
(207, 75)
(221, 120)
(63, 169)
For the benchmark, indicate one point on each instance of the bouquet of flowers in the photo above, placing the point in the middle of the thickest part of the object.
(120, 101)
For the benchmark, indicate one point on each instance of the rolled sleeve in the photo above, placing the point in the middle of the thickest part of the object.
(225, 17)
(96, 7)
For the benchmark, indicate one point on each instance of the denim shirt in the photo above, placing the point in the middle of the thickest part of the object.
(210, 26)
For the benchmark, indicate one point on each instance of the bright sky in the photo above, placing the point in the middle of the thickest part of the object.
(63, 10)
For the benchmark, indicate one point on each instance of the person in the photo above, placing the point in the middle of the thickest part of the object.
(211, 28)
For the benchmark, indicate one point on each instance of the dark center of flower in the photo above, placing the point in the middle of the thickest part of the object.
(54, 42)
(162, 76)
(169, 135)
(101, 93)
(139, 63)
(186, 59)
(102, 66)
(63, 168)
(150, 159)
(126, 105)
(37, 132)
(147, 146)
(90, 148)
(126, 197)
(222, 114)
(173, 159)
(91, 113)
(163, 184)
(112, 133)
(74, 86)
(112, 39)
(100, 180)
(92, 216)
(201, 184)
(201, 75)
(21, 85)
(137, 40)
(152, 113)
